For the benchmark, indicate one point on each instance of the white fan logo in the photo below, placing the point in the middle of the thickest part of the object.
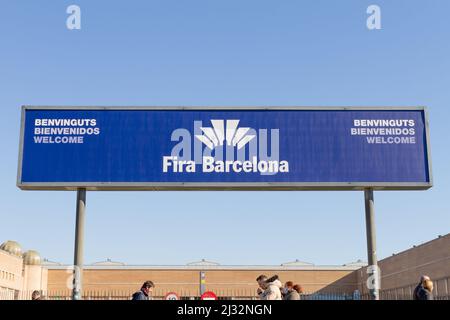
(216, 135)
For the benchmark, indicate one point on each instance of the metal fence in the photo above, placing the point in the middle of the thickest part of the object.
(440, 292)
(7, 294)
(126, 295)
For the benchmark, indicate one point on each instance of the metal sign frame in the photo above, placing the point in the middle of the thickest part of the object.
(261, 186)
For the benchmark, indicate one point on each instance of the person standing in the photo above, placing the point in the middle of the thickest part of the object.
(289, 293)
(426, 291)
(145, 292)
(298, 288)
(262, 286)
(273, 289)
(36, 295)
(419, 287)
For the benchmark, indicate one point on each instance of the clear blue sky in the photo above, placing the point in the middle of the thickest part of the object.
(224, 52)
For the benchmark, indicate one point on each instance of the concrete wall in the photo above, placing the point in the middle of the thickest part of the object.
(18, 281)
(10, 271)
(34, 278)
(401, 271)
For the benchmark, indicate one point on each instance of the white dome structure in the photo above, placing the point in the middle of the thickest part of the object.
(108, 262)
(296, 263)
(12, 247)
(32, 258)
(203, 262)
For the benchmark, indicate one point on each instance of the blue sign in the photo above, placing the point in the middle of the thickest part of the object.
(224, 148)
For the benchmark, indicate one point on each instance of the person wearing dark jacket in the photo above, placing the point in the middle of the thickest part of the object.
(420, 287)
(426, 291)
(145, 292)
(262, 286)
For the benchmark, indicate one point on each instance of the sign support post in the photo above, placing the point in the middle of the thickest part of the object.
(79, 243)
(372, 269)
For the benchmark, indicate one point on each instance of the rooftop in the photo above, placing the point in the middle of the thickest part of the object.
(210, 266)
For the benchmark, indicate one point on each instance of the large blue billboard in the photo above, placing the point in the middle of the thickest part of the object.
(113, 148)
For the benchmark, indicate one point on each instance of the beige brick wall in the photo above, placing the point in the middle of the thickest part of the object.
(404, 269)
(401, 270)
(17, 281)
(10, 271)
(187, 282)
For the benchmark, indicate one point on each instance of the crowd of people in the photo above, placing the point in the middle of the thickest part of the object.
(272, 289)
(269, 289)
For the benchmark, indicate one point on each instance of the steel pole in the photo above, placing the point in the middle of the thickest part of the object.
(373, 281)
(79, 243)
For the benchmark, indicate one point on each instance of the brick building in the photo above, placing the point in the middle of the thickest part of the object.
(22, 273)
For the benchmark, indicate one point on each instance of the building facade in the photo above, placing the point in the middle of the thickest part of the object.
(20, 273)
(225, 281)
